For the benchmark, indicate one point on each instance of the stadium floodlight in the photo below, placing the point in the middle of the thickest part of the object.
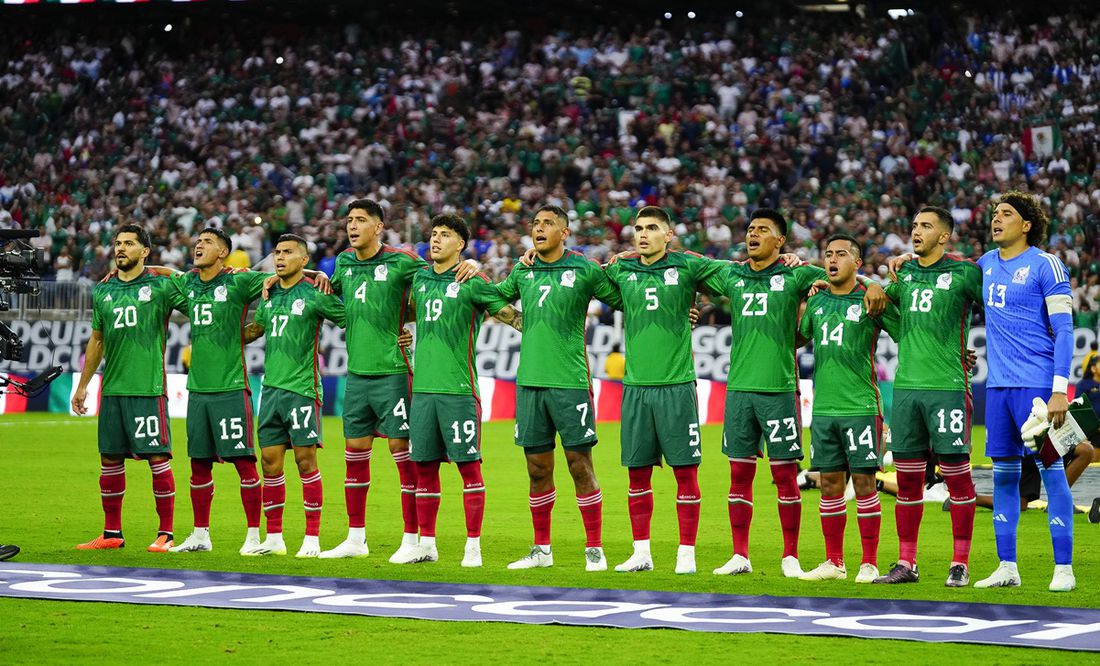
(257, 220)
(739, 13)
(279, 60)
(168, 27)
(899, 13)
(668, 15)
(691, 15)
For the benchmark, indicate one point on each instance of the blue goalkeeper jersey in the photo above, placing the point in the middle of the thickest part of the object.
(1027, 305)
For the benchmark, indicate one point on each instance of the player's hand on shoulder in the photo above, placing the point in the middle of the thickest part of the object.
(405, 339)
(269, 282)
(894, 264)
(817, 286)
(322, 283)
(621, 255)
(465, 270)
(528, 257)
(110, 274)
(790, 259)
(875, 300)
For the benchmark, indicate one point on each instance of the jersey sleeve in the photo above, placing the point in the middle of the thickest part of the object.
(890, 320)
(332, 308)
(1054, 281)
(253, 283)
(486, 295)
(410, 265)
(177, 300)
(893, 290)
(336, 279)
(1053, 276)
(508, 288)
(604, 289)
(806, 324)
(806, 276)
(97, 318)
(973, 283)
(704, 270)
(714, 282)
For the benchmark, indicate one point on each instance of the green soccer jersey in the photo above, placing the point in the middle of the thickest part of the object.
(291, 319)
(554, 298)
(656, 299)
(448, 319)
(376, 295)
(765, 306)
(934, 306)
(844, 338)
(217, 309)
(133, 318)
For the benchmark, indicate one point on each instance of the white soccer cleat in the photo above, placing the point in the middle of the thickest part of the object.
(827, 570)
(790, 567)
(310, 548)
(538, 558)
(738, 564)
(1063, 580)
(1006, 575)
(348, 548)
(685, 560)
(195, 543)
(471, 558)
(640, 560)
(403, 554)
(937, 494)
(250, 544)
(272, 545)
(867, 573)
(594, 559)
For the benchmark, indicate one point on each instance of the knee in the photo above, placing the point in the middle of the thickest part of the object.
(864, 484)
(1085, 450)
(539, 469)
(832, 484)
(306, 466)
(398, 445)
(580, 468)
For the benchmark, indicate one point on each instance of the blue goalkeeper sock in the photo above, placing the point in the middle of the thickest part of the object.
(1006, 506)
(1059, 511)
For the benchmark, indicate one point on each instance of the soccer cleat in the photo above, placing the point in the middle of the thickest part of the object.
(7, 552)
(1063, 580)
(536, 559)
(594, 559)
(273, 545)
(867, 573)
(958, 576)
(640, 560)
(827, 570)
(402, 554)
(1006, 575)
(1094, 512)
(738, 564)
(103, 543)
(194, 543)
(250, 543)
(937, 494)
(471, 558)
(346, 549)
(310, 548)
(899, 573)
(790, 567)
(162, 544)
(685, 560)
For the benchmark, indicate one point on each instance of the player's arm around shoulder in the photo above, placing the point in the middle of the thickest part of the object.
(332, 308)
(486, 295)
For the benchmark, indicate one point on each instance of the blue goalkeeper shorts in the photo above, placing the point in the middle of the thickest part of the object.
(1006, 409)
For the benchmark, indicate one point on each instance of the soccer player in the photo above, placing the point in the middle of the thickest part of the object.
(290, 402)
(846, 433)
(375, 280)
(762, 404)
(660, 413)
(446, 406)
(129, 319)
(931, 413)
(1029, 347)
(554, 389)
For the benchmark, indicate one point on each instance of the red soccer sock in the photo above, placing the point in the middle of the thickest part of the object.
(960, 484)
(909, 509)
(313, 497)
(834, 518)
(869, 516)
(406, 472)
(164, 493)
(427, 496)
(251, 490)
(785, 474)
(591, 507)
(112, 488)
(473, 498)
(274, 498)
(356, 485)
(640, 501)
(202, 490)
(542, 506)
(688, 499)
(742, 472)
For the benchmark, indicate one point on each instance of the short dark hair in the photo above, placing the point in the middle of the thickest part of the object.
(372, 208)
(773, 215)
(456, 224)
(1028, 207)
(657, 212)
(557, 211)
(221, 236)
(138, 230)
(856, 247)
(294, 238)
(941, 214)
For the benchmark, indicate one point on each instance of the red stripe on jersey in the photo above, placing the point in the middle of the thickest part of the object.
(504, 400)
(244, 365)
(874, 373)
(611, 401)
(399, 250)
(400, 328)
(316, 350)
(716, 404)
(162, 414)
(248, 418)
(963, 321)
(470, 358)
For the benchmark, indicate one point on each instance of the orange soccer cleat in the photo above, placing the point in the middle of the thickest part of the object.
(102, 543)
(161, 545)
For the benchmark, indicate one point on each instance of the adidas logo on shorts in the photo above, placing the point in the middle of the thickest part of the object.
(589, 433)
(238, 445)
(872, 456)
(958, 442)
(794, 447)
(404, 426)
(312, 433)
(471, 451)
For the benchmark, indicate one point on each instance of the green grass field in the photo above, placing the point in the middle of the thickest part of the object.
(49, 490)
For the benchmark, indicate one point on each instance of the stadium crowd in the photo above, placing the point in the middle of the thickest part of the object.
(848, 129)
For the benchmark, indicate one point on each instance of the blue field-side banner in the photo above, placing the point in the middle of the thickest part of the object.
(928, 621)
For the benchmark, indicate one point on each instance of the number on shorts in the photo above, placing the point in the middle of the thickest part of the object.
(146, 426)
(956, 420)
(125, 317)
(775, 424)
(583, 409)
(469, 428)
(399, 410)
(865, 438)
(693, 432)
(307, 414)
(544, 291)
(232, 428)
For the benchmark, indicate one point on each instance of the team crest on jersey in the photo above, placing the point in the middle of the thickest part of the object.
(1020, 276)
(854, 311)
(672, 276)
(568, 279)
(381, 272)
(298, 307)
(778, 282)
(943, 281)
(221, 294)
(452, 290)
(145, 293)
